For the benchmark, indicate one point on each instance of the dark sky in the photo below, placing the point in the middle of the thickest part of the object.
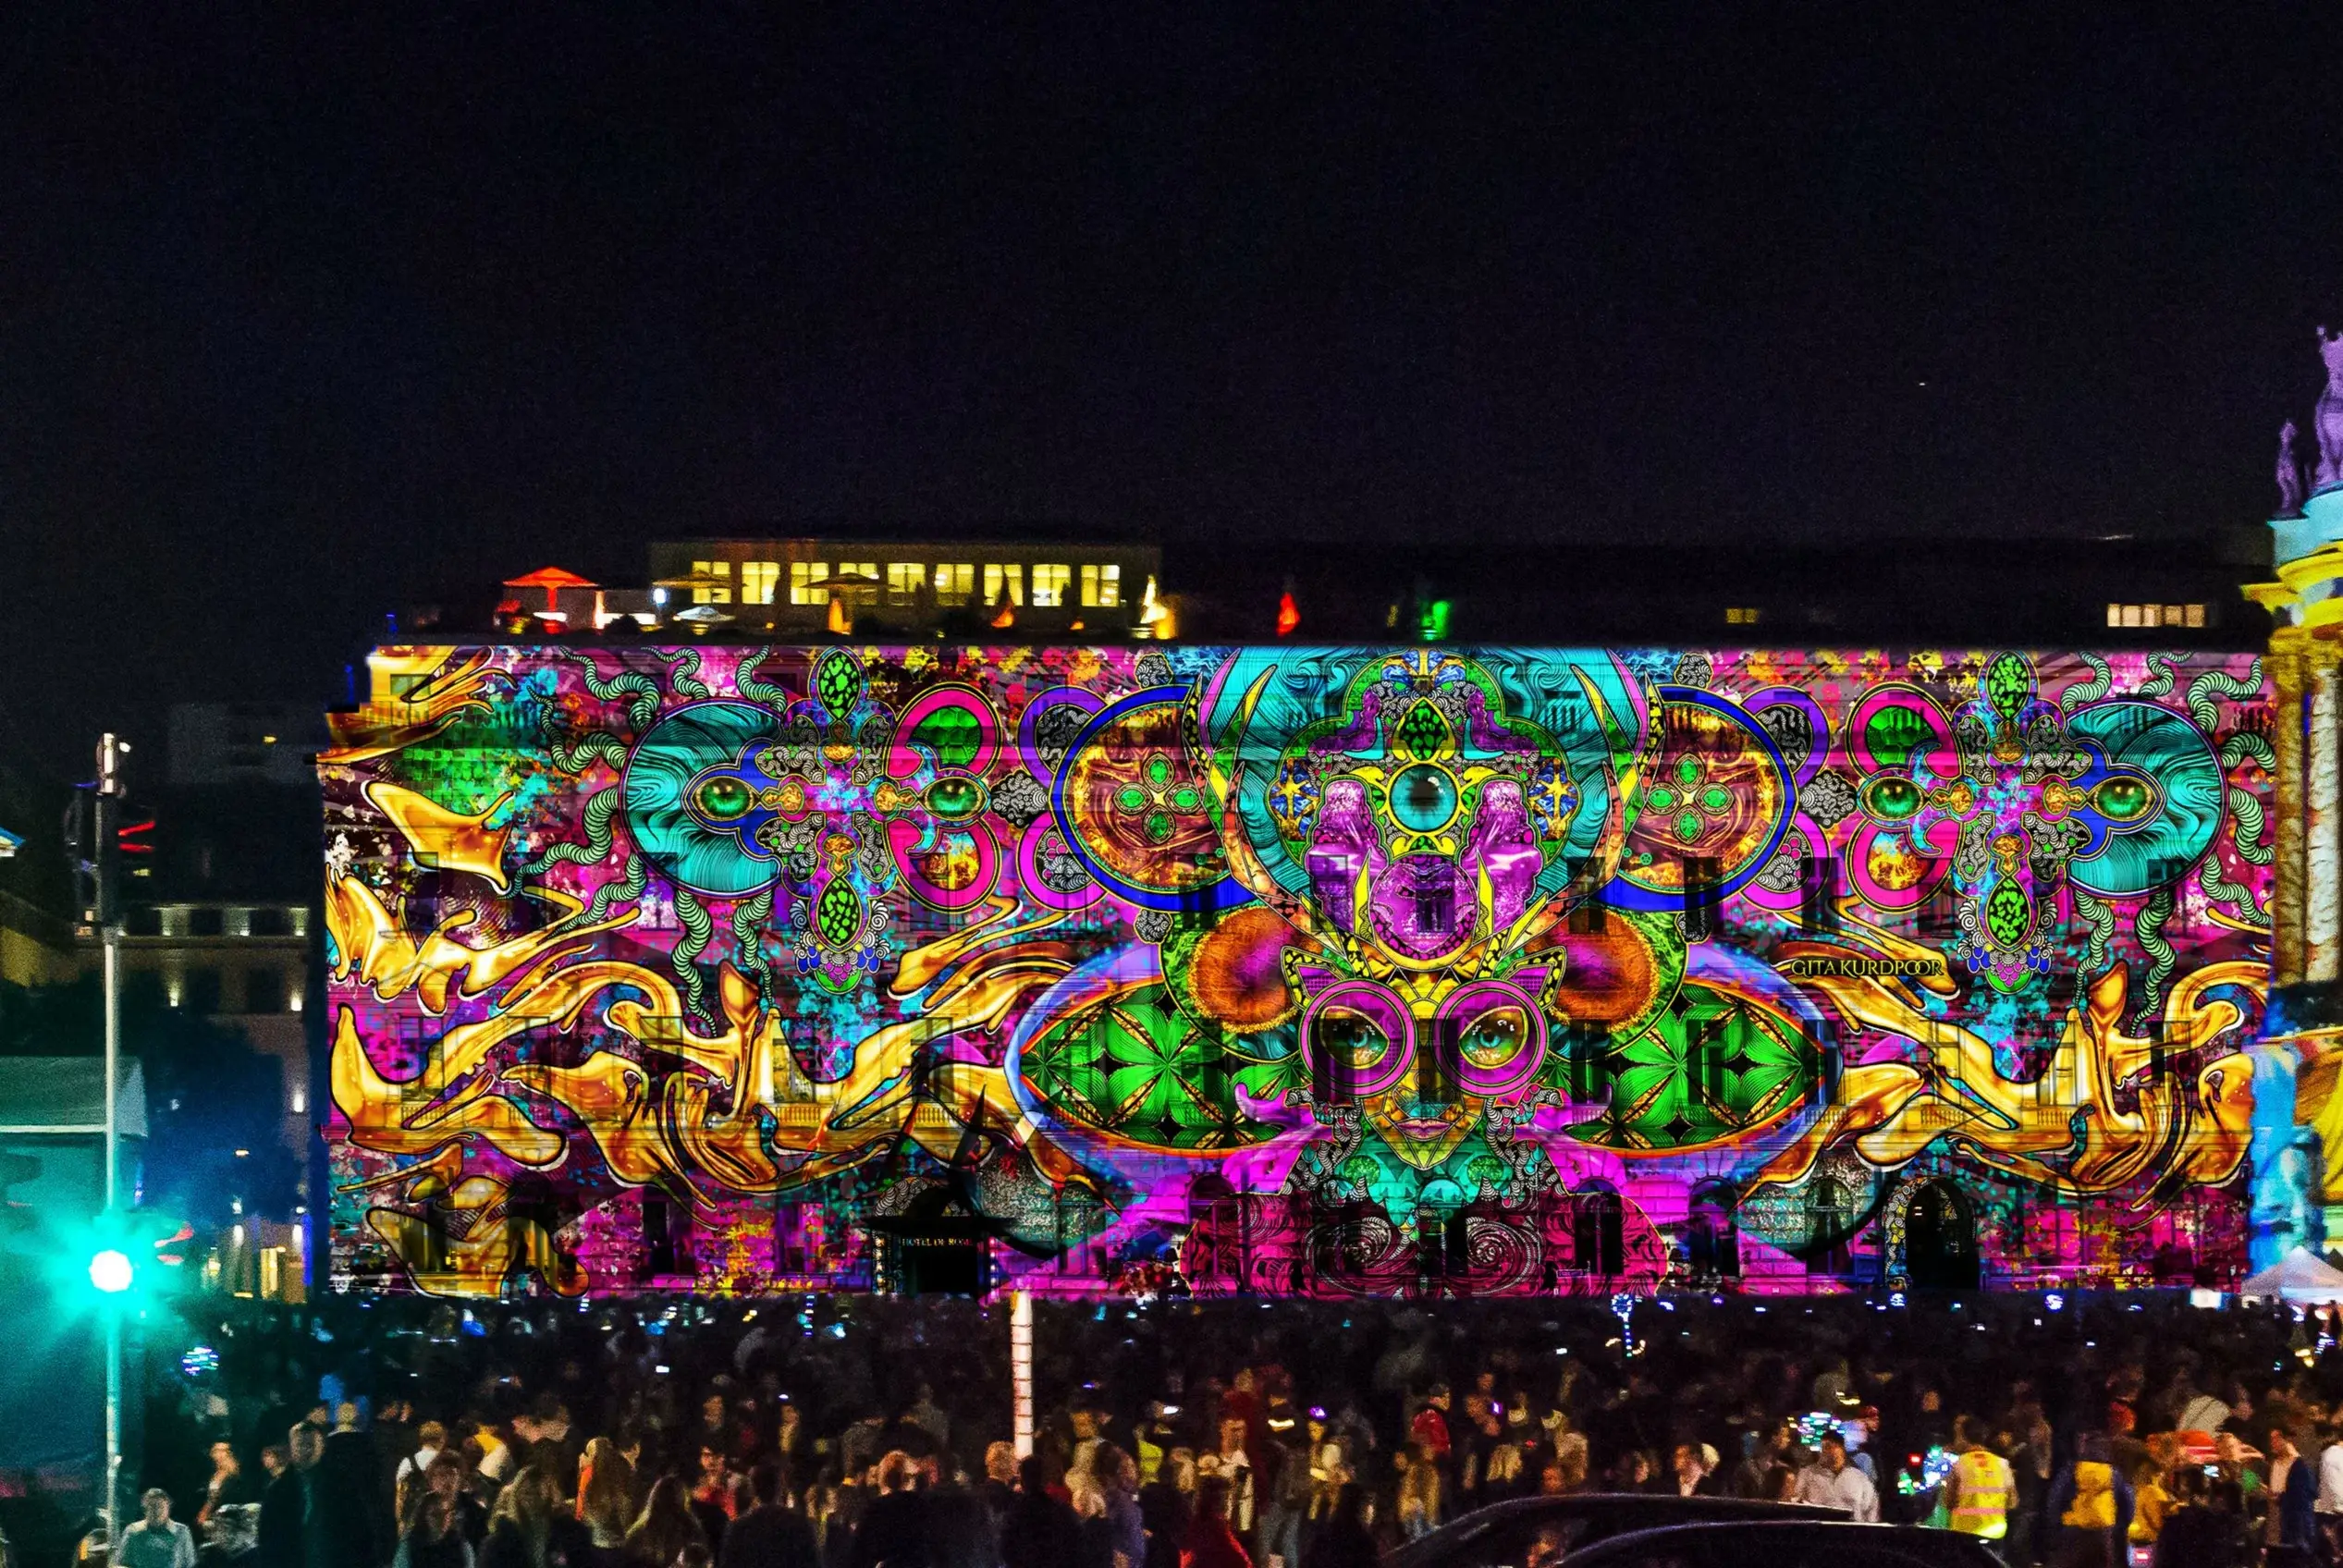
(300, 318)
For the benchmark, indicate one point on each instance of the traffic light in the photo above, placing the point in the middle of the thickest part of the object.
(139, 1250)
(110, 1271)
(100, 834)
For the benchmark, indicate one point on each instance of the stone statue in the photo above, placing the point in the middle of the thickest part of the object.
(2330, 414)
(2290, 474)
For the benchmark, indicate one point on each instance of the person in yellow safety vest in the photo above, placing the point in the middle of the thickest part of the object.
(1980, 1489)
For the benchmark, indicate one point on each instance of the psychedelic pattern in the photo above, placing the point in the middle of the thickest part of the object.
(1433, 970)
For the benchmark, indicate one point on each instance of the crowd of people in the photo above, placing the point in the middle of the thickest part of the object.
(851, 1434)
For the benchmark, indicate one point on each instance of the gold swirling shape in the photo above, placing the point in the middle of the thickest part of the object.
(448, 840)
(2190, 1129)
(444, 687)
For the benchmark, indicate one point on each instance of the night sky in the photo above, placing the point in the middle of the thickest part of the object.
(303, 319)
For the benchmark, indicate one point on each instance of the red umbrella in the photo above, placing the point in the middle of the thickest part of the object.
(552, 578)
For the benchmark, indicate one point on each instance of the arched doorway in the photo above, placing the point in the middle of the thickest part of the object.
(1940, 1239)
(1599, 1231)
(1712, 1242)
(1830, 1228)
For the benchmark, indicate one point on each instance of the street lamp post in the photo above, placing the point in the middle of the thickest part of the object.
(109, 911)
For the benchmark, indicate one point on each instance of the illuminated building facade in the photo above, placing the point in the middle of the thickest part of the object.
(1111, 967)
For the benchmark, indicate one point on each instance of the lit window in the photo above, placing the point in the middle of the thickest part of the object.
(904, 580)
(297, 1101)
(998, 577)
(802, 575)
(860, 568)
(2131, 615)
(712, 596)
(1102, 587)
(1740, 616)
(300, 917)
(2114, 615)
(954, 582)
(2196, 616)
(756, 581)
(2172, 614)
(1050, 584)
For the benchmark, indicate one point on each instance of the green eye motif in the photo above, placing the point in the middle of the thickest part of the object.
(954, 798)
(1892, 799)
(723, 800)
(2123, 798)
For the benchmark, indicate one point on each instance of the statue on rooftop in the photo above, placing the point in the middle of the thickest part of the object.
(2289, 474)
(2330, 414)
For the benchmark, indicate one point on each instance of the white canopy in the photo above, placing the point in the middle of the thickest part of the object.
(2301, 1275)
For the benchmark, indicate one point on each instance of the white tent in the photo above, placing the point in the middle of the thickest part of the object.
(2301, 1275)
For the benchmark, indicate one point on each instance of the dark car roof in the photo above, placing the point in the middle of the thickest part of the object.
(1456, 1533)
(1787, 1543)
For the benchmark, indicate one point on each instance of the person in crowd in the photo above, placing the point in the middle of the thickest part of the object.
(999, 1488)
(1981, 1490)
(1040, 1529)
(605, 1495)
(2091, 1501)
(292, 1533)
(1125, 1532)
(528, 1529)
(665, 1527)
(407, 1482)
(433, 1534)
(770, 1534)
(1694, 1465)
(1418, 1510)
(1234, 1465)
(1831, 1482)
(1211, 1541)
(1429, 1432)
(1166, 1504)
(1762, 1453)
(715, 1494)
(229, 1485)
(2151, 1504)
(157, 1541)
(891, 1530)
(356, 1513)
(2291, 1533)
(2329, 1506)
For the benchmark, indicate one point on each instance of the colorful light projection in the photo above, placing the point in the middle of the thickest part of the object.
(1310, 971)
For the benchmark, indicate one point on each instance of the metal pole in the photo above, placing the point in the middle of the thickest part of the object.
(113, 1430)
(1021, 1369)
(110, 914)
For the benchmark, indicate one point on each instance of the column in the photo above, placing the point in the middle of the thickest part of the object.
(2287, 807)
(1021, 1370)
(2322, 930)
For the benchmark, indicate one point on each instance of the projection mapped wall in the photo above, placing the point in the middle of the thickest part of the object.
(1300, 971)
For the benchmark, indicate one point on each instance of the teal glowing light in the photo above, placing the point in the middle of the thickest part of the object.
(110, 1270)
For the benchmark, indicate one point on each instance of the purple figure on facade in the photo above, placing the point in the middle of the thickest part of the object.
(2330, 414)
(2289, 474)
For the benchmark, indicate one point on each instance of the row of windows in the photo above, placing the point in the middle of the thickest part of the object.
(954, 584)
(210, 920)
(206, 990)
(2191, 615)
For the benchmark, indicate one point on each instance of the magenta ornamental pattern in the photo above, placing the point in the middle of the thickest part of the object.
(1431, 971)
